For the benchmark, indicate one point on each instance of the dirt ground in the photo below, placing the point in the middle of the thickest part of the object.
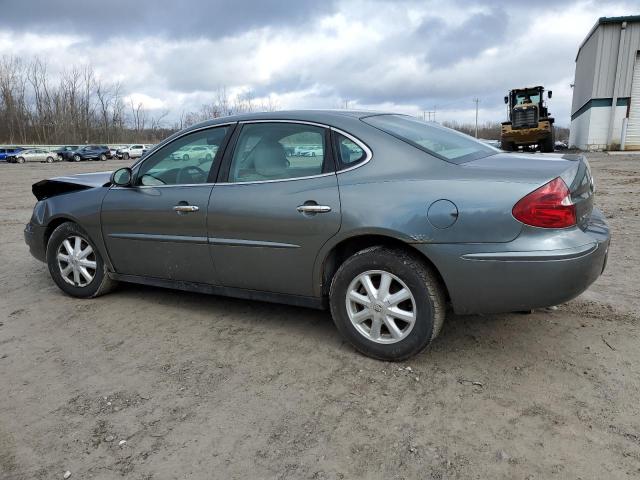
(147, 383)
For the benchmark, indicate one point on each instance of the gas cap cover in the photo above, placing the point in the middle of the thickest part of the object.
(442, 213)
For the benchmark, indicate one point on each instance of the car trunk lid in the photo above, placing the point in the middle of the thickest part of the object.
(539, 169)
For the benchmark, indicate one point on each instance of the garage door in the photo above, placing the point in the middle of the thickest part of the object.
(633, 127)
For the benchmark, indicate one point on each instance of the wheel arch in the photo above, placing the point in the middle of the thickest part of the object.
(340, 251)
(55, 221)
(53, 224)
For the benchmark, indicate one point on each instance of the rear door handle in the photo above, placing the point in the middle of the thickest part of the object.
(185, 208)
(314, 208)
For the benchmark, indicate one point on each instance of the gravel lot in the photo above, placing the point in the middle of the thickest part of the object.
(207, 387)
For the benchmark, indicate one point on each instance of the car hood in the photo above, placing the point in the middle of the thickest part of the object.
(71, 183)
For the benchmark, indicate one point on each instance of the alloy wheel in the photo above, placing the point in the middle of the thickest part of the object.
(76, 261)
(381, 307)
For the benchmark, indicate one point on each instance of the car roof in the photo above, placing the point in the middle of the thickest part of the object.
(319, 116)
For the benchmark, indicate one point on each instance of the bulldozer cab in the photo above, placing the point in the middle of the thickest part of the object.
(524, 96)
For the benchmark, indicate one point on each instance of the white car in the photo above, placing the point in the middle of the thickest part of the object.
(132, 151)
(202, 153)
(308, 151)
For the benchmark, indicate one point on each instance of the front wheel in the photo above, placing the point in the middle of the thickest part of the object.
(125, 156)
(75, 264)
(547, 144)
(103, 157)
(388, 303)
(77, 158)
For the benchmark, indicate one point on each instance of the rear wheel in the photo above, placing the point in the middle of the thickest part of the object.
(388, 303)
(75, 264)
(20, 160)
(49, 159)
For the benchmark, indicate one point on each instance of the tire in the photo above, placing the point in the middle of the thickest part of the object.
(100, 282)
(407, 271)
(49, 159)
(77, 158)
(547, 144)
(20, 160)
(508, 146)
(125, 156)
(103, 157)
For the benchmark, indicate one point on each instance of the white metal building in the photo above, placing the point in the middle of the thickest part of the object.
(605, 113)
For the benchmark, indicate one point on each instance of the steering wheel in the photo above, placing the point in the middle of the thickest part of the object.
(191, 174)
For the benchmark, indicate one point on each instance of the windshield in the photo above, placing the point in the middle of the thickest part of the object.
(438, 141)
(527, 97)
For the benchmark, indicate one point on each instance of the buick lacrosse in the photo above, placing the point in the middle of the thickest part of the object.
(389, 222)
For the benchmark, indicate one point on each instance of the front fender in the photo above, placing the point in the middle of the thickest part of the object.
(81, 207)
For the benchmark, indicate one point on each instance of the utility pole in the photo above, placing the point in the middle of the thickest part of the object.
(429, 115)
(476, 101)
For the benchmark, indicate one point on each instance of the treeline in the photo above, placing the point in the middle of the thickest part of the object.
(491, 130)
(77, 106)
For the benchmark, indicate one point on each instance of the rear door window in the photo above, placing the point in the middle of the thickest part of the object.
(278, 151)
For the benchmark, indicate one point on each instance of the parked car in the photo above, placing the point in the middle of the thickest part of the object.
(493, 143)
(88, 152)
(146, 148)
(132, 151)
(67, 148)
(393, 221)
(308, 150)
(560, 145)
(7, 152)
(32, 155)
(201, 153)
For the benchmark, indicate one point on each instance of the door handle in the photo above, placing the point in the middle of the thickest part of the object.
(185, 208)
(314, 208)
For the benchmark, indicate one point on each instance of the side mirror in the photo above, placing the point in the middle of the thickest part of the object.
(506, 99)
(122, 177)
(549, 93)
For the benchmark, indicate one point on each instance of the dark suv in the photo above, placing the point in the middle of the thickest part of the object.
(88, 152)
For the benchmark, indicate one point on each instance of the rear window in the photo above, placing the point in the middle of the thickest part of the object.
(438, 141)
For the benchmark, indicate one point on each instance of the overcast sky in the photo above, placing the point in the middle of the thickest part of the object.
(404, 56)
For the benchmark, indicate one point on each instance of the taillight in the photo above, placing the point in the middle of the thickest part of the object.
(549, 206)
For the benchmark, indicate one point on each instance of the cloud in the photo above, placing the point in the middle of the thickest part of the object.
(404, 56)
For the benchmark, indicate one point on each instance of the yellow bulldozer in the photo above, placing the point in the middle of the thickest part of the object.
(530, 125)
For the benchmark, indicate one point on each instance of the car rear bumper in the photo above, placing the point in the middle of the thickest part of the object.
(34, 237)
(513, 276)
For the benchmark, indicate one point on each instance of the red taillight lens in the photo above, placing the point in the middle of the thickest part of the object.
(549, 206)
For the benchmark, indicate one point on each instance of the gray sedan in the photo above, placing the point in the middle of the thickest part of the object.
(392, 221)
(34, 155)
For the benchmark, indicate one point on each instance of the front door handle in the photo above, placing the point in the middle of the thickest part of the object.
(314, 208)
(185, 208)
